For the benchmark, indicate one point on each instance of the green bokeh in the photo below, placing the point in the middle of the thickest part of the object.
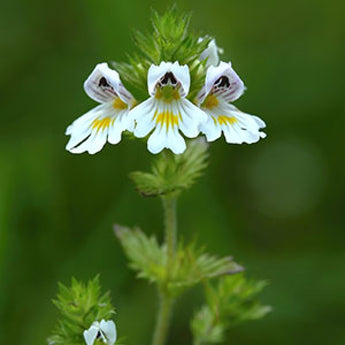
(277, 206)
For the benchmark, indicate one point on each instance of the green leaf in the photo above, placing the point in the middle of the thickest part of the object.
(170, 174)
(190, 265)
(233, 300)
(144, 253)
(79, 306)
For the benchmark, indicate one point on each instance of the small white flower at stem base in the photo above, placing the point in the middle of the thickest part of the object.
(167, 112)
(107, 121)
(104, 330)
(223, 86)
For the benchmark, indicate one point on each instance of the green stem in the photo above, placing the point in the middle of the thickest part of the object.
(169, 205)
(163, 320)
(166, 301)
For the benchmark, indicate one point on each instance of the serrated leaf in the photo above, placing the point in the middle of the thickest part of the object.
(144, 253)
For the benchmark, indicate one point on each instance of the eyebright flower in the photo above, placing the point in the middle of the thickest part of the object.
(223, 86)
(104, 330)
(167, 111)
(107, 121)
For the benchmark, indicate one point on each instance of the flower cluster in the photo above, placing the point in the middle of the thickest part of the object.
(167, 113)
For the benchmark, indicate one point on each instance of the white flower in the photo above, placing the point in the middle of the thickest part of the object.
(105, 122)
(104, 330)
(222, 86)
(211, 53)
(167, 111)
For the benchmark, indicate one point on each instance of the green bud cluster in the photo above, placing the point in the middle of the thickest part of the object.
(170, 40)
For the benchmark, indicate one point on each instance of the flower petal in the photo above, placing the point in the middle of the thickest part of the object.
(121, 123)
(93, 144)
(91, 131)
(180, 73)
(81, 128)
(191, 118)
(211, 129)
(109, 330)
(237, 126)
(90, 335)
(222, 81)
(104, 84)
(143, 114)
(169, 138)
(211, 53)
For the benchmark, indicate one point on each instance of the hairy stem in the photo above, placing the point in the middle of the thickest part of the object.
(165, 301)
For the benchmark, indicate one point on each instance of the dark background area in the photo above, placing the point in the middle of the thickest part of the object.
(277, 206)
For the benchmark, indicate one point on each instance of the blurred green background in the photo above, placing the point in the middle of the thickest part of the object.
(277, 206)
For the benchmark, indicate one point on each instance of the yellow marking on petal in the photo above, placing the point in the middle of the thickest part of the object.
(101, 124)
(119, 104)
(226, 120)
(210, 102)
(167, 118)
(167, 94)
